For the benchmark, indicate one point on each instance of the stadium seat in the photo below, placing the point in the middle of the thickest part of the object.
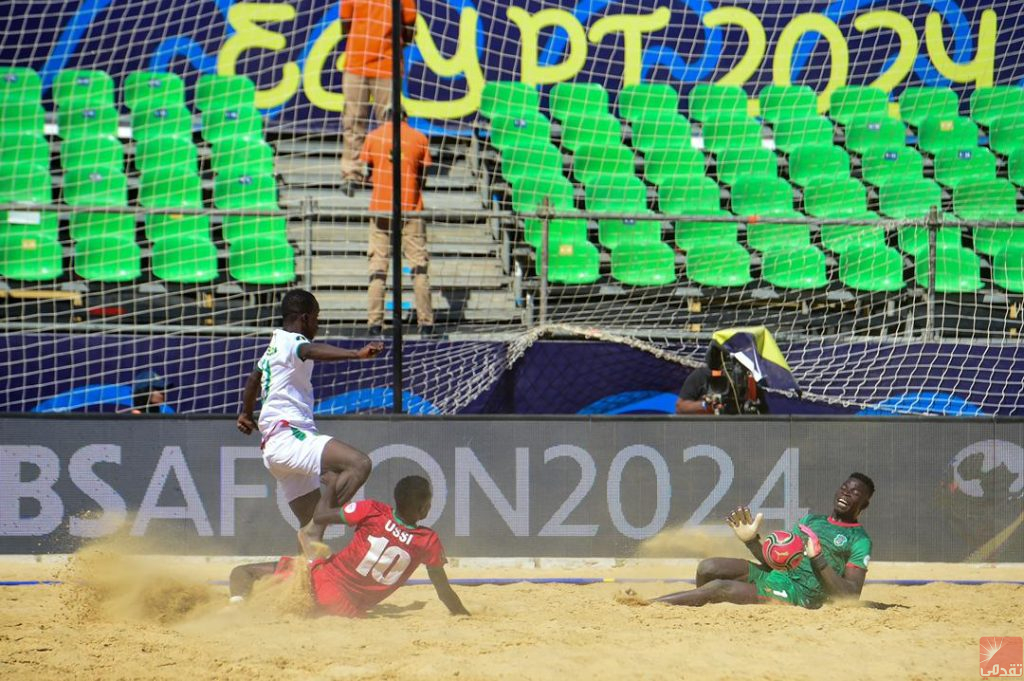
(935, 134)
(985, 200)
(185, 260)
(693, 234)
(24, 147)
(169, 121)
(716, 101)
(92, 152)
(874, 268)
(508, 98)
(520, 162)
(255, 192)
(617, 195)
(45, 224)
(914, 240)
(95, 187)
(75, 89)
(171, 153)
(957, 270)
(87, 122)
(25, 183)
(163, 226)
(261, 260)
(1008, 269)
(764, 237)
(850, 102)
(240, 226)
(1015, 166)
(578, 100)
(909, 199)
(1006, 133)
(242, 157)
(89, 225)
(171, 188)
(689, 195)
(614, 233)
(20, 84)
(919, 103)
(842, 238)
(836, 198)
(575, 262)
(990, 103)
(762, 196)
(524, 130)
(719, 265)
(990, 240)
(881, 166)
(864, 134)
(529, 194)
(108, 259)
(560, 231)
(664, 162)
(721, 133)
(953, 166)
(21, 117)
(809, 162)
(795, 269)
(224, 124)
(644, 264)
(780, 102)
(664, 131)
(581, 130)
(145, 90)
(734, 163)
(216, 92)
(642, 99)
(791, 132)
(591, 161)
(28, 256)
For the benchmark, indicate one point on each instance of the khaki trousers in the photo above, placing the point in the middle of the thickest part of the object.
(414, 250)
(355, 118)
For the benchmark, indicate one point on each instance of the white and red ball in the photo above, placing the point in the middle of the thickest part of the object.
(783, 550)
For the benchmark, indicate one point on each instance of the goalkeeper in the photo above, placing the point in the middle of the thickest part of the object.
(837, 547)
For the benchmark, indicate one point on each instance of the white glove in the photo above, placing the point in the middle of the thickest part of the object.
(743, 524)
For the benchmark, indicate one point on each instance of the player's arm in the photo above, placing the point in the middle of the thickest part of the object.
(445, 592)
(245, 421)
(848, 586)
(322, 352)
(745, 527)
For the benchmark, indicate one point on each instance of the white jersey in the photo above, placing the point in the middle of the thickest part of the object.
(287, 387)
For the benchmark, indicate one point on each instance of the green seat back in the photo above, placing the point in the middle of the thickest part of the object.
(985, 199)
(524, 130)
(617, 194)
(734, 163)
(223, 124)
(87, 122)
(665, 162)
(25, 183)
(849, 102)
(153, 90)
(1015, 165)
(842, 238)
(791, 132)
(574, 100)
(240, 226)
(642, 99)
(581, 130)
(810, 162)
(170, 153)
(716, 101)
(24, 147)
(1006, 133)
(92, 152)
(80, 89)
(1008, 269)
(521, 162)
(909, 199)
(29, 256)
(990, 103)
(935, 134)
(21, 117)
(919, 103)
(95, 187)
(614, 233)
(529, 194)
(255, 192)
(695, 234)
(162, 121)
(508, 98)
(761, 196)
(881, 166)
(835, 198)
(660, 130)
(779, 102)
(914, 240)
(89, 225)
(991, 240)
(162, 226)
(45, 224)
(242, 157)
(591, 161)
(872, 268)
(724, 265)
(261, 260)
(646, 264)
(171, 188)
(575, 262)
(863, 134)
(764, 237)
(722, 133)
(953, 166)
(957, 270)
(560, 231)
(795, 269)
(108, 259)
(215, 92)
(20, 84)
(185, 260)
(689, 195)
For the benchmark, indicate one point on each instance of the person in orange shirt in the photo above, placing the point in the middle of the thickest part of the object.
(367, 27)
(415, 160)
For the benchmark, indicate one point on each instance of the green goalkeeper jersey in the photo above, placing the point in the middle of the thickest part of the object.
(842, 544)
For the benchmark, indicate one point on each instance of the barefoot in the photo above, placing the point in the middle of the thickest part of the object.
(312, 547)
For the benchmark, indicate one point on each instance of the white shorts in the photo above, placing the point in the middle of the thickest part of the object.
(293, 457)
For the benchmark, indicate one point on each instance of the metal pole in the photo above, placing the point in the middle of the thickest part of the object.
(545, 234)
(307, 235)
(397, 27)
(933, 226)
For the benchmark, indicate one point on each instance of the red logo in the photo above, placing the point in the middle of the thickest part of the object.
(1001, 656)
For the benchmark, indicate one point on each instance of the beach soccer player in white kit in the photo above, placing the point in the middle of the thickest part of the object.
(315, 472)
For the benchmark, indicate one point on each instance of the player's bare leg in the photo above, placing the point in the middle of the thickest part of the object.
(715, 591)
(344, 469)
(711, 569)
(304, 508)
(244, 576)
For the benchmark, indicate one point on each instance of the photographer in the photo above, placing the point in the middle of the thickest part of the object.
(723, 386)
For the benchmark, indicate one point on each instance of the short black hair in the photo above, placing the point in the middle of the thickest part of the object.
(297, 302)
(412, 490)
(868, 482)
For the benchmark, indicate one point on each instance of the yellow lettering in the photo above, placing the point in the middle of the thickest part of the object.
(812, 23)
(463, 62)
(529, 29)
(632, 29)
(312, 74)
(757, 43)
(244, 17)
(909, 45)
(979, 70)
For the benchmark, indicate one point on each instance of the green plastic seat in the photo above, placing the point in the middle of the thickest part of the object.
(909, 199)
(990, 241)
(236, 227)
(242, 157)
(22, 117)
(881, 166)
(1006, 133)
(990, 103)
(89, 225)
(162, 121)
(953, 166)
(223, 124)
(216, 92)
(864, 134)
(811, 162)
(108, 259)
(166, 153)
(792, 132)
(45, 224)
(616, 194)
(520, 162)
(696, 234)
(171, 188)
(836, 198)
(645, 264)
(29, 256)
(762, 196)
(874, 268)
(575, 100)
(255, 192)
(560, 231)
(24, 147)
(716, 101)
(796, 269)
(641, 100)
(95, 187)
(914, 240)
(261, 260)
(850, 102)
(764, 237)
(919, 103)
(842, 238)
(935, 134)
(524, 130)
(80, 89)
(665, 162)
(1008, 269)
(575, 262)
(87, 122)
(985, 200)
(20, 84)
(689, 195)
(25, 183)
(660, 130)
(582, 130)
(185, 260)
(529, 194)
(166, 226)
(722, 133)
(591, 161)
(957, 270)
(734, 163)
(725, 265)
(1015, 166)
(153, 90)
(508, 98)
(779, 102)
(92, 152)
(614, 233)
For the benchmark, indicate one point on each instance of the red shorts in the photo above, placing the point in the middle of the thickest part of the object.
(329, 594)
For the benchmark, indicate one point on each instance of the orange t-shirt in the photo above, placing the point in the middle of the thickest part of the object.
(415, 155)
(368, 46)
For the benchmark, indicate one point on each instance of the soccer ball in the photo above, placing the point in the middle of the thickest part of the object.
(782, 550)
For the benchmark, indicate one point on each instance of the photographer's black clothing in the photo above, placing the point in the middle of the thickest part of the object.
(700, 385)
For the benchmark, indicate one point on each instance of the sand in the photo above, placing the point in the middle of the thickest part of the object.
(159, 618)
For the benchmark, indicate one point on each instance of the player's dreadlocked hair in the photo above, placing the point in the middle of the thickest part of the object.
(296, 302)
(412, 490)
(868, 482)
